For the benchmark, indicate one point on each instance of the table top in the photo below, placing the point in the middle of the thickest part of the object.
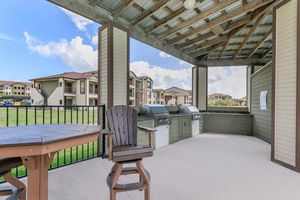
(44, 134)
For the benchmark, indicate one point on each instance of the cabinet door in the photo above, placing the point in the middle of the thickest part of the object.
(186, 127)
(174, 130)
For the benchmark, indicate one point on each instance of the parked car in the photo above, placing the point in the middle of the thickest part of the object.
(26, 102)
(7, 103)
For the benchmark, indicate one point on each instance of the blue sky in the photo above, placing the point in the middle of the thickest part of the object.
(39, 38)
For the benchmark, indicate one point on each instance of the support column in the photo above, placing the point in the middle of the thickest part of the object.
(199, 87)
(113, 65)
(286, 85)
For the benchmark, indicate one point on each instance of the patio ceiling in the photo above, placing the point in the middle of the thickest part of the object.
(215, 32)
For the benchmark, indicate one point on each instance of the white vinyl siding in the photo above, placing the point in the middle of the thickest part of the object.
(202, 88)
(285, 83)
(194, 81)
(103, 69)
(120, 66)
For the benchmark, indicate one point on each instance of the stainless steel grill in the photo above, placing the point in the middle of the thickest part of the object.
(192, 110)
(158, 112)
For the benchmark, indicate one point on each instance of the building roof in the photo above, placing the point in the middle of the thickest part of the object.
(2, 83)
(144, 77)
(158, 90)
(70, 75)
(173, 90)
(212, 32)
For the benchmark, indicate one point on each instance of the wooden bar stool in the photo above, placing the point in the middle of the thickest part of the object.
(123, 149)
(18, 188)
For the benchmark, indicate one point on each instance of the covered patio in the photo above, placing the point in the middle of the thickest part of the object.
(236, 162)
(210, 167)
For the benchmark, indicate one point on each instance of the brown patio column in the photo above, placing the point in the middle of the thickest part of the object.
(113, 65)
(199, 87)
(286, 85)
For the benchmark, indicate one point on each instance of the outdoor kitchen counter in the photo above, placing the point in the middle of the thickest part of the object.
(227, 122)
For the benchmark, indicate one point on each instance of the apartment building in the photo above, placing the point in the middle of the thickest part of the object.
(158, 96)
(140, 89)
(71, 88)
(14, 91)
(177, 96)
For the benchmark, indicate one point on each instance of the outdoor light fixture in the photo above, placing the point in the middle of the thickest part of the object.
(189, 4)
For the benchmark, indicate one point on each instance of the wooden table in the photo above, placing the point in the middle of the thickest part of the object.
(37, 145)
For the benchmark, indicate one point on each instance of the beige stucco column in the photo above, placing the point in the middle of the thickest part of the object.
(199, 87)
(286, 85)
(113, 65)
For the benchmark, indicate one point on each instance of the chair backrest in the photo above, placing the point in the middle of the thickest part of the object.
(122, 122)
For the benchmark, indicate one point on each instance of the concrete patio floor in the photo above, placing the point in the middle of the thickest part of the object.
(207, 167)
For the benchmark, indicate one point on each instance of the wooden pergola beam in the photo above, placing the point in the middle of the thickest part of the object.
(215, 22)
(260, 42)
(124, 7)
(248, 36)
(206, 44)
(165, 20)
(207, 50)
(237, 62)
(149, 12)
(267, 52)
(230, 27)
(219, 7)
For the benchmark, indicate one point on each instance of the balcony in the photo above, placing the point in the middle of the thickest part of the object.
(70, 90)
(210, 166)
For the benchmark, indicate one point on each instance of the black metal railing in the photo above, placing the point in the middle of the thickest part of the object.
(29, 115)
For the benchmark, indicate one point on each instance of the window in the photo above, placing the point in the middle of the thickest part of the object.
(60, 102)
(227, 86)
(96, 89)
(60, 84)
(82, 87)
(32, 101)
(149, 85)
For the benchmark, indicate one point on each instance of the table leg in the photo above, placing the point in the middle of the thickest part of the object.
(37, 182)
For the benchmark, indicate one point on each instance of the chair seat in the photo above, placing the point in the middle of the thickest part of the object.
(7, 164)
(125, 153)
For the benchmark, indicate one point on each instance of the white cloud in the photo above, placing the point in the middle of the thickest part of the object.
(75, 54)
(79, 21)
(6, 37)
(164, 55)
(162, 77)
(95, 39)
(227, 80)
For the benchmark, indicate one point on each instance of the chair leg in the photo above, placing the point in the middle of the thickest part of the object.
(18, 184)
(113, 194)
(145, 178)
(117, 172)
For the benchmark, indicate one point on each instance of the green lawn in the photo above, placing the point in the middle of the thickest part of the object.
(13, 116)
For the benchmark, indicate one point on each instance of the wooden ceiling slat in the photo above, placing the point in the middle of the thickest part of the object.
(219, 7)
(267, 52)
(260, 42)
(252, 30)
(124, 8)
(244, 9)
(149, 12)
(165, 20)
(206, 44)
